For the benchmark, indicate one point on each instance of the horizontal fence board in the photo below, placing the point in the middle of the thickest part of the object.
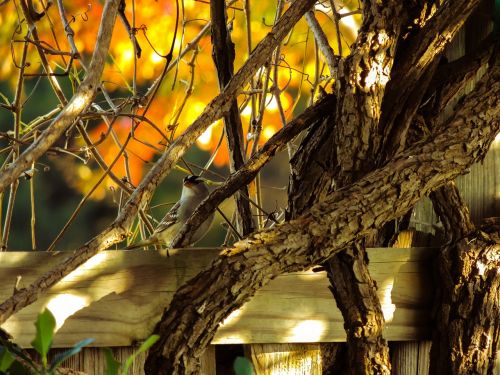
(118, 296)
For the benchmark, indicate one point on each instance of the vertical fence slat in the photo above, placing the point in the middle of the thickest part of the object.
(296, 359)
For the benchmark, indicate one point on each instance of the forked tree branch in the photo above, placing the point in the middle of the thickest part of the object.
(198, 307)
(117, 231)
(416, 60)
(79, 102)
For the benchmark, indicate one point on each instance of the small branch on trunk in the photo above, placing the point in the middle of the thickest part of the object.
(321, 39)
(452, 211)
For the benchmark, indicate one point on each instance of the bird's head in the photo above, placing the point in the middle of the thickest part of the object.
(195, 184)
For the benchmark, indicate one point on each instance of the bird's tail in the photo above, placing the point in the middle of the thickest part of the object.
(143, 243)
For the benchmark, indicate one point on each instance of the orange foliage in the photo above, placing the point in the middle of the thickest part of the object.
(186, 88)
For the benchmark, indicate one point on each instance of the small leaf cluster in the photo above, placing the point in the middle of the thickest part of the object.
(45, 328)
(113, 367)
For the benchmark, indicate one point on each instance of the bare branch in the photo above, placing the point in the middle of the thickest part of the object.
(223, 55)
(416, 62)
(322, 41)
(80, 101)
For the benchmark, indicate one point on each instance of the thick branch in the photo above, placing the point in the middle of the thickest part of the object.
(361, 87)
(452, 211)
(416, 62)
(223, 55)
(356, 294)
(117, 231)
(466, 335)
(347, 215)
(78, 103)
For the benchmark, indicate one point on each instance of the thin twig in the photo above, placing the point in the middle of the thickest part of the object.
(336, 20)
(80, 100)
(87, 196)
(15, 149)
(322, 42)
(33, 209)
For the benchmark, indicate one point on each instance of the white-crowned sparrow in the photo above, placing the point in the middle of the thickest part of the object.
(194, 190)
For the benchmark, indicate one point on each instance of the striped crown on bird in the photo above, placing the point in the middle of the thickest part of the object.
(194, 191)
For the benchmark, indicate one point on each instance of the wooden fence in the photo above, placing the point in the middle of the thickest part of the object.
(118, 296)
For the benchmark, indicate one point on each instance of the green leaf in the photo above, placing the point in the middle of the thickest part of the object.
(68, 353)
(112, 365)
(6, 359)
(242, 366)
(45, 326)
(144, 346)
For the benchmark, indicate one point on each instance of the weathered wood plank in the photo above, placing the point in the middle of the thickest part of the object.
(118, 296)
(410, 357)
(269, 359)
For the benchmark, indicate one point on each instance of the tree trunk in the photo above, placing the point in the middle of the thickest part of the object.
(345, 216)
(466, 334)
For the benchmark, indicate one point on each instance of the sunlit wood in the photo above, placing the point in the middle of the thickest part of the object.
(119, 289)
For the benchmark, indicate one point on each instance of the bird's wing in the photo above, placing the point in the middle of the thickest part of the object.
(169, 219)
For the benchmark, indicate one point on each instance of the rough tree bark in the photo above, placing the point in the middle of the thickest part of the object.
(357, 129)
(327, 227)
(467, 320)
(361, 88)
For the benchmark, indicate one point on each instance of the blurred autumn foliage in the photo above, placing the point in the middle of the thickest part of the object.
(143, 124)
(189, 85)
